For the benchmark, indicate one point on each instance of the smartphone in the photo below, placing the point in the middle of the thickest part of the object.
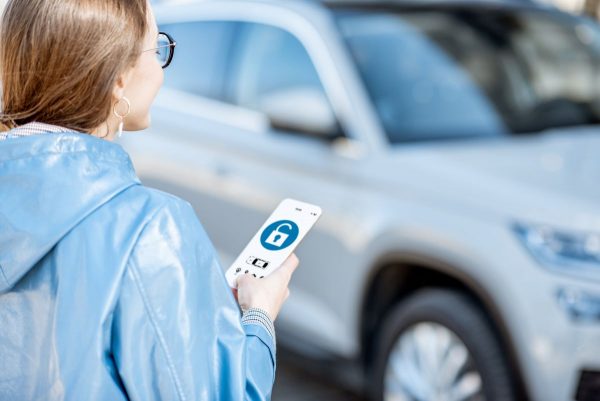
(275, 241)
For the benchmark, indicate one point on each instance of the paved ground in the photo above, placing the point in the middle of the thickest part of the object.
(296, 383)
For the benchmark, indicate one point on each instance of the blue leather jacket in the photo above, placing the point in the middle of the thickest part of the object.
(110, 290)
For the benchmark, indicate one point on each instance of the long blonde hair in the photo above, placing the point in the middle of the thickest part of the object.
(60, 59)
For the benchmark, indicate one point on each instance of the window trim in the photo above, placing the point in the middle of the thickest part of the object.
(313, 43)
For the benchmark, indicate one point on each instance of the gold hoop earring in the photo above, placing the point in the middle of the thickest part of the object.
(121, 116)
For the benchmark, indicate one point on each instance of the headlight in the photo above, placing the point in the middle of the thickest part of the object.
(579, 305)
(557, 248)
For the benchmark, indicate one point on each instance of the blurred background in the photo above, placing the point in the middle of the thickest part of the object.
(453, 146)
(589, 7)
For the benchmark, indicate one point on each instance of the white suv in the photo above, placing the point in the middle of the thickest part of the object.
(451, 146)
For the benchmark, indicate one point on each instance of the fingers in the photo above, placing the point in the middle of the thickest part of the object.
(268, 294)
(286, 270)
(244, 280)
(289, 266)
(282, 275)
(293, 259)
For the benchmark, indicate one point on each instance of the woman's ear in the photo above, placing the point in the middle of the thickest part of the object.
(122, 83)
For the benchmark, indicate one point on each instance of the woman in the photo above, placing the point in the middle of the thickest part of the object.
(108, 290)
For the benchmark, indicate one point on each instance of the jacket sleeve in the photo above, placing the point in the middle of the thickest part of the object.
(177, 333)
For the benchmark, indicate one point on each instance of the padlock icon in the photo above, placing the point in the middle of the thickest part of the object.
(277, 237)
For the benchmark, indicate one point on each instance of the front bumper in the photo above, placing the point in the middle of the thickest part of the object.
(553, 345)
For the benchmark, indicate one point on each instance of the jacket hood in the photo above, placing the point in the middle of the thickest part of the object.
(48, 184)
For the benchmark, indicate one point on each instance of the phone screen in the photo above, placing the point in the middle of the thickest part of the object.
(275, 241)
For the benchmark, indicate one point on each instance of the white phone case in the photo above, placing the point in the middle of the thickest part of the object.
(275, 241)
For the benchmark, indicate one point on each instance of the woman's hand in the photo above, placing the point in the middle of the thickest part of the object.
(268, 293)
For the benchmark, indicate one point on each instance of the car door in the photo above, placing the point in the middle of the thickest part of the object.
(242, 123)
(272, 74)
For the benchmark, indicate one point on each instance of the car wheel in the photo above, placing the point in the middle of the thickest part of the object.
(438, 346)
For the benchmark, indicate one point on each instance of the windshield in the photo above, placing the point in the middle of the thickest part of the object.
(448, 73)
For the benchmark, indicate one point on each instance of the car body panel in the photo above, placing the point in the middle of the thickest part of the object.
(451, 205)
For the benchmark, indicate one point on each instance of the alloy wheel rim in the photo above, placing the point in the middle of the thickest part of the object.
(429, 362)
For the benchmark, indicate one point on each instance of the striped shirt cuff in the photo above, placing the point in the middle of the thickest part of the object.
(261, 318)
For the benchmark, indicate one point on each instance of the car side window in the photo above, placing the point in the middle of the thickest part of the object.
(274, 74)
(200, 62)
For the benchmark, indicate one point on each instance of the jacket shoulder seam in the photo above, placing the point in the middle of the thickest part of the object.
(150, 311)
(157, 332)
(147, 221)
(3, 275)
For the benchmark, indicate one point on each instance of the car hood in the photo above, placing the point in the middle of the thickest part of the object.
(549, 178)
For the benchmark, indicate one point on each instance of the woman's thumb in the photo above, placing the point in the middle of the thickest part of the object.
(289, 266)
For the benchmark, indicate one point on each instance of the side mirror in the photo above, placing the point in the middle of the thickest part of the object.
(302, 109)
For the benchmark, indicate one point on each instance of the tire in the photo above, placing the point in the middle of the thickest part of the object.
(440, 320)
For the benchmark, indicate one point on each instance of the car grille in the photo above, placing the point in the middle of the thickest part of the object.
(589, 386)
